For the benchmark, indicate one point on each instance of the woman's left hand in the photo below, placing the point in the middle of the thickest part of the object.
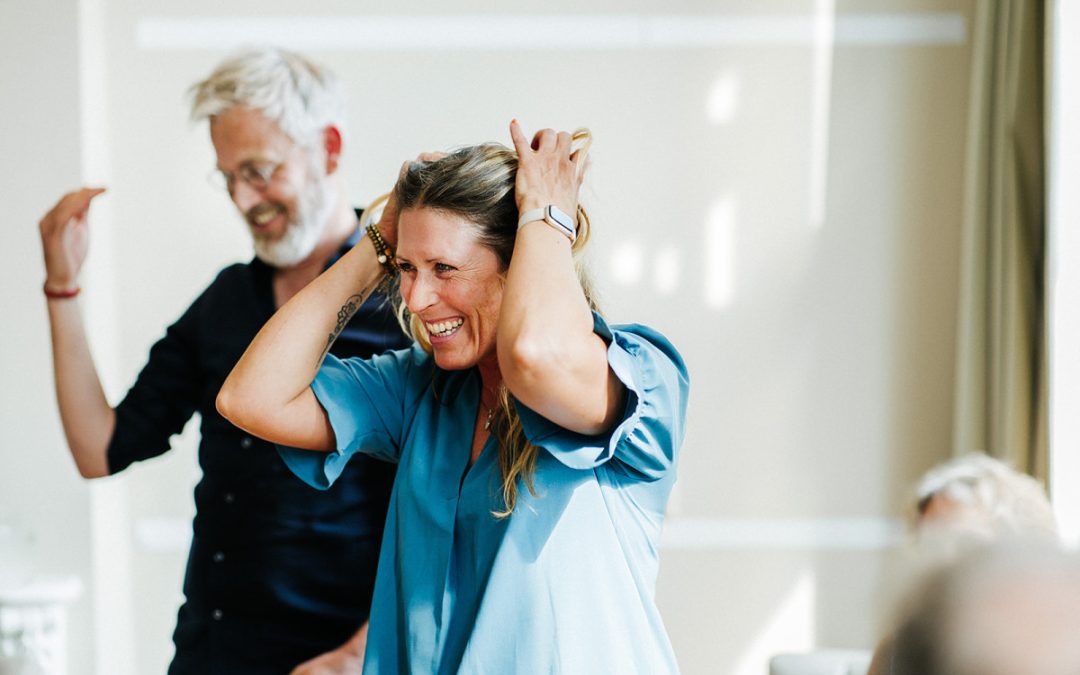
(548, 171)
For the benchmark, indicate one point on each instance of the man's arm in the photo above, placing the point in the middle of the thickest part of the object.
(348, 659)
(87, 418)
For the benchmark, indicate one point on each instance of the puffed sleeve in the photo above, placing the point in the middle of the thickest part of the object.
(646, 439)
(368, 402)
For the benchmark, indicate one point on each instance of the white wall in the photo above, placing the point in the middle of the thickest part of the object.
(45, 524)
(785, 208)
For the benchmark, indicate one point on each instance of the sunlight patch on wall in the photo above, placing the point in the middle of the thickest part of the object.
(720, 253)
(790, 628)
(666, 271)
(627, 263)
(723, 103)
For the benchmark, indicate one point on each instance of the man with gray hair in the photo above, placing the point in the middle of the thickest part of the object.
(279, 576)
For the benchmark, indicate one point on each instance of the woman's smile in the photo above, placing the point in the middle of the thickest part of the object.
(441, 331)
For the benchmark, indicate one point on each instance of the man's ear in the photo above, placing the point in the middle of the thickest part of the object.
(332, 146)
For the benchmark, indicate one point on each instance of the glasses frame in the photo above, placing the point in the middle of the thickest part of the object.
(257, 176)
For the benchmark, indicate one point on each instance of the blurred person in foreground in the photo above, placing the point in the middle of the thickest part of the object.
(1010, 608)
(964, 504)
(536, 443)
(279, 576)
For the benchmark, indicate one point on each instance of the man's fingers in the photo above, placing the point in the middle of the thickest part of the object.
(80, 199)
(72, 205)
(87, 195)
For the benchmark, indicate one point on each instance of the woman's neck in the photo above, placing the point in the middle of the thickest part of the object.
(490, 380)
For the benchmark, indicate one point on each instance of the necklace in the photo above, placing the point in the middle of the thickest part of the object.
(490, 415)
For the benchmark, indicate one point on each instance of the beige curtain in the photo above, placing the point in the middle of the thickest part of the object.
(1001, 342)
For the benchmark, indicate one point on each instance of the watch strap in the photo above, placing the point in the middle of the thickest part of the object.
(554, 217)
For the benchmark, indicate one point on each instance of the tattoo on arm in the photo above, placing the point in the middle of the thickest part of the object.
(344, 314)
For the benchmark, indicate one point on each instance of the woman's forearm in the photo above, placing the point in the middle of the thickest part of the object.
(268, 391)
(549, 357)
(544, 310)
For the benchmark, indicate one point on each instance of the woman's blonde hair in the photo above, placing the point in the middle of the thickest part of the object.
(477, 183)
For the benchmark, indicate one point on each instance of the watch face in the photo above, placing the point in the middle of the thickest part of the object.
(561, 219)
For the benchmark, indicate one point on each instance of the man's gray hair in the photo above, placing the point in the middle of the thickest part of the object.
(302, 97)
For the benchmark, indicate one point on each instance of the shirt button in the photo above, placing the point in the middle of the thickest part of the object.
(217, 614)
(219, 557)
(245, 442)
(229, 498)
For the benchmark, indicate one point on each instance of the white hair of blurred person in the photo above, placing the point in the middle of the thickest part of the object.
(978, 498)
(1010, 608)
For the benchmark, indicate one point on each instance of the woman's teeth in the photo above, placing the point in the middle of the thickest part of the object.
(443, 328)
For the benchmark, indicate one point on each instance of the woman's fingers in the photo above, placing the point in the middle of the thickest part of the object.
(422, 157)
(563, 142)
(517, 136)
(548, 170)
(545, 140)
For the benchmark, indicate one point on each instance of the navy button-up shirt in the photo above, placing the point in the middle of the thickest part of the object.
(278, 572)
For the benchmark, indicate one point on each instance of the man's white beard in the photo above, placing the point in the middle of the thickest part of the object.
(302, 234)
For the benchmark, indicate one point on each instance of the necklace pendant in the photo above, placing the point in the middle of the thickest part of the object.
(487, 422)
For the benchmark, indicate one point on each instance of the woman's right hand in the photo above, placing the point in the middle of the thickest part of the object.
(388, 220)
(65, 238)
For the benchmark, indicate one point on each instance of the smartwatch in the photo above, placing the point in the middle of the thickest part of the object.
(553, 216)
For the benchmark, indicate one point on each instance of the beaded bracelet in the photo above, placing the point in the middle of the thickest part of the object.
(382, 250)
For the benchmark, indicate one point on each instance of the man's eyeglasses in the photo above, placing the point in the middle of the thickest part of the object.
(257, 176)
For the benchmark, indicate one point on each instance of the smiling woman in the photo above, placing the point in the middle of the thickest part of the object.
(516, 381)
(454, 289)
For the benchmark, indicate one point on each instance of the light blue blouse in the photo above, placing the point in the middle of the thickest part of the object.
(563, 585)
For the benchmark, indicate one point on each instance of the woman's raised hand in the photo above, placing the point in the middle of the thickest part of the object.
(388, 220)
(548, 170)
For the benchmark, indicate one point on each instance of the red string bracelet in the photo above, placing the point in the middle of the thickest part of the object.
(60, 295)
